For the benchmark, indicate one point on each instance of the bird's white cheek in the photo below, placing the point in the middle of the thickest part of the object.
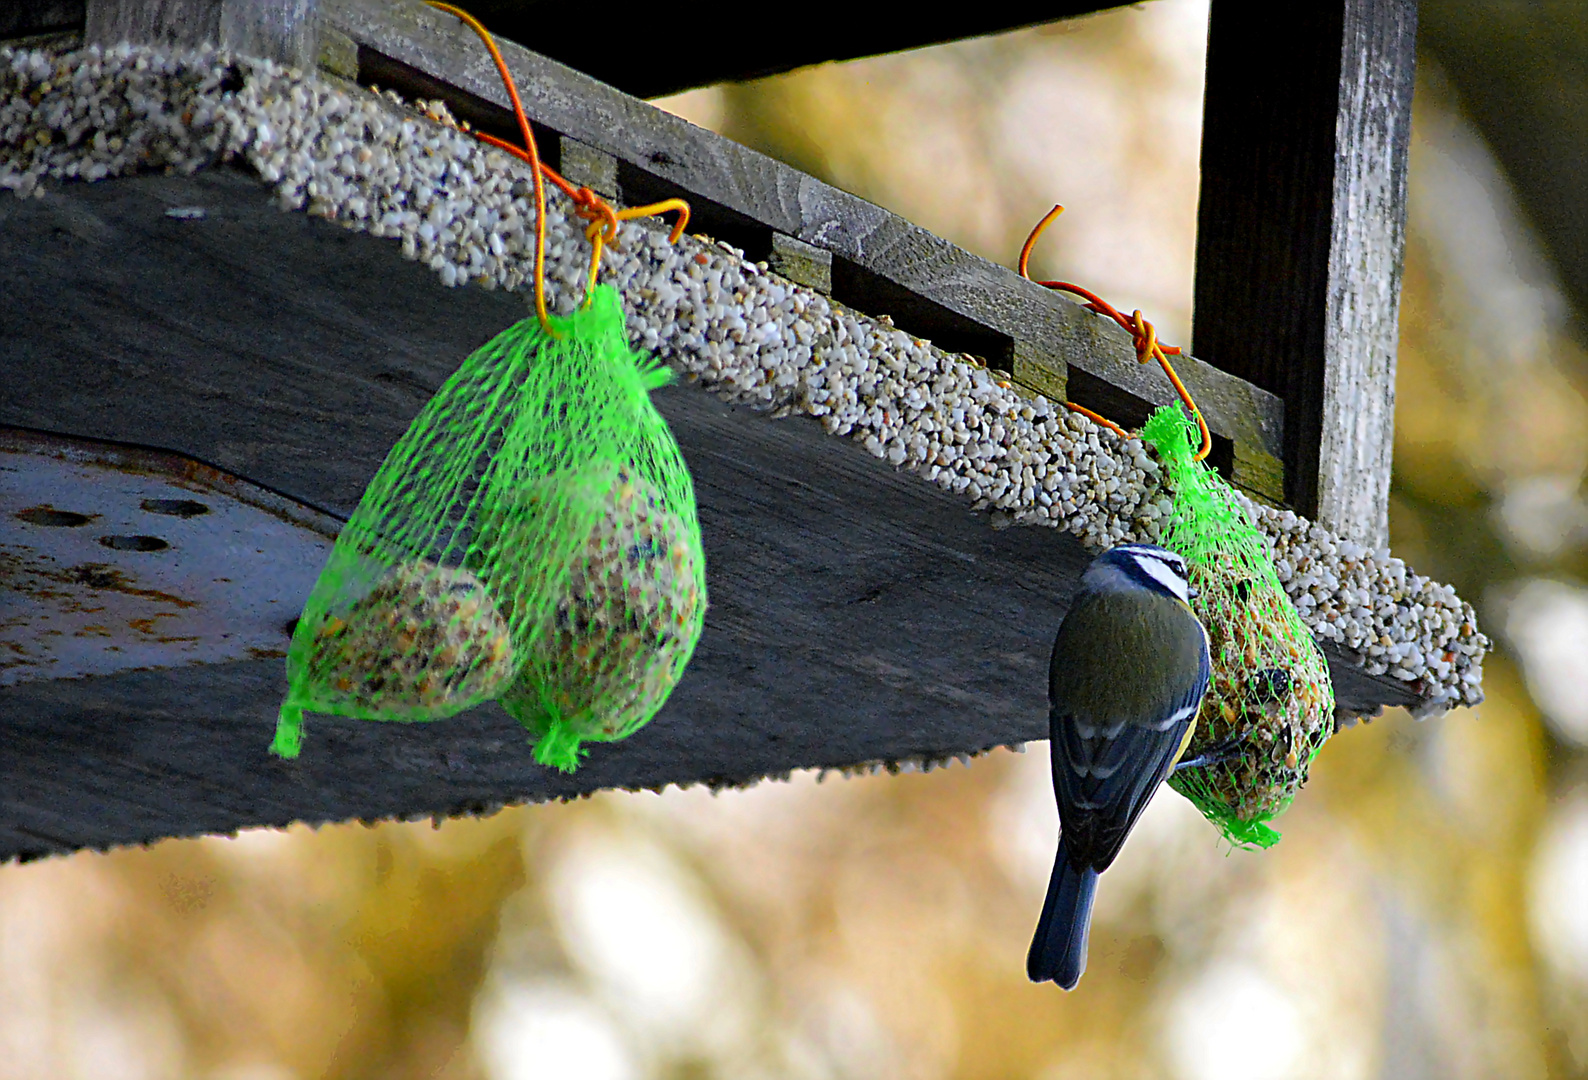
(1166, 577)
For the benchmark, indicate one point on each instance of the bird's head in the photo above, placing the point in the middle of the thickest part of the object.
(1144, 566)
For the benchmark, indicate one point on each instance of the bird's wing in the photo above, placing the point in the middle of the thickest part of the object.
(1118, 728)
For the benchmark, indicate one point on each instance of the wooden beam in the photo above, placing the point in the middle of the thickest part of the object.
(633, 50)
(862, 255)
(1301, 234)
(858, 614)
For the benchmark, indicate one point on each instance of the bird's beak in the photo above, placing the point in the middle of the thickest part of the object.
(1190, 593)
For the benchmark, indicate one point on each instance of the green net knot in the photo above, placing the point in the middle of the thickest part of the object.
(289, 733)
(559, 748)
(1204, 503)
(599, 324)
(1256, 833)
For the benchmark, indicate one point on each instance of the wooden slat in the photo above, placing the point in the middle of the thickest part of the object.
(858, 614)
(27, 18)
(880, 263)
(1301, 233)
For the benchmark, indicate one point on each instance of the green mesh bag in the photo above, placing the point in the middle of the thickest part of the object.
(1270, 690)
(532, 537)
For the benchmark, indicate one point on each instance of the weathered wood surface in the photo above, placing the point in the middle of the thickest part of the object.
(1301, 234)
(280, 30)
(882, 264)
(857, 613)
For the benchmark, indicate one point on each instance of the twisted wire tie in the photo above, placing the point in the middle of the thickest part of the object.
(1142, 333)
(603, 219)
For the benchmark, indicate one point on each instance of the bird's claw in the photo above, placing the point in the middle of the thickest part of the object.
(1216, 754)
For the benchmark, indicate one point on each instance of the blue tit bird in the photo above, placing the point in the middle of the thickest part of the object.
(1130, 665)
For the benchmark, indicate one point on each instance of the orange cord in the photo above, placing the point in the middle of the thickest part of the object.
(532, 155)
(1148, 347)
(1096, 418)
(603, 219)
(590, 206)
(662, 207)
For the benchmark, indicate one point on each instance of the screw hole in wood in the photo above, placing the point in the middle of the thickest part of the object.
(182, 508)
(134, 543)
(44, 515)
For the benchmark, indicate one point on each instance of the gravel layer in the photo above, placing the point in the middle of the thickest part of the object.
(375, 165)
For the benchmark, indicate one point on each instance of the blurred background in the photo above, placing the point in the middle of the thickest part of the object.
(1426, 914)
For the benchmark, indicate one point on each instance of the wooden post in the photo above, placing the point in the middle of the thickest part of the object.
(1301, 233)
(281, 30)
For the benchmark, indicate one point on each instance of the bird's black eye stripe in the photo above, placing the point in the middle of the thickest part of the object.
(1158, 570)
(1173, 562)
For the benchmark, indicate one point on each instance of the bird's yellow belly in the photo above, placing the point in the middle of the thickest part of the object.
(1190, 730)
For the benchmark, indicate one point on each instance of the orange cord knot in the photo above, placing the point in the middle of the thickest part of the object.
(1142, 334)
(598, 212)
(603, 219)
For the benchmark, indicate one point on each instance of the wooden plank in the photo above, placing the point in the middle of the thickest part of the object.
(857, 613)
(881, 264)
(1301, 234)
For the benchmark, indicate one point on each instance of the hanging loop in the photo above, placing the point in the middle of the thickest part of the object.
(602, 218)
(1142, 333)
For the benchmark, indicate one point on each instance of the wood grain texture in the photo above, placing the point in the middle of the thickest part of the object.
(281, 30)
(585, 166)
(1301, 234)
(857, 613)
(1366, 253)
(807, 264)
(882, 263)
(885, 265)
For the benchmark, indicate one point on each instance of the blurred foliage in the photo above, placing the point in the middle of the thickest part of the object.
(876, 927)
(346, 952)
(1521, 67)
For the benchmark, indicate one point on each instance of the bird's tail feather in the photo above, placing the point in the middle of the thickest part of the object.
(1058, 951)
